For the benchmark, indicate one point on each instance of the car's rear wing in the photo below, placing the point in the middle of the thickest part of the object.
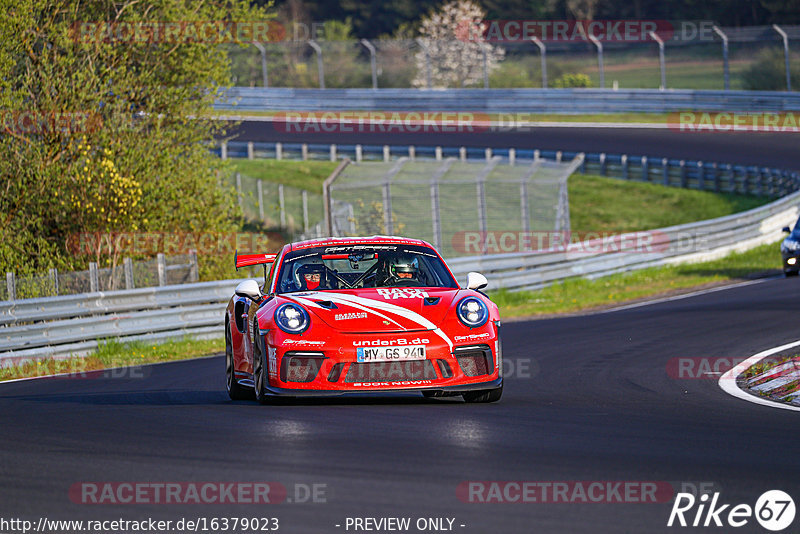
(244, 260)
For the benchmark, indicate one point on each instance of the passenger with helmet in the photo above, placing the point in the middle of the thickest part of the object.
(311, 276)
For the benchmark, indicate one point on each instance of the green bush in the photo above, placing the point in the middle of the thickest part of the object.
(768, 72)
(572, 80)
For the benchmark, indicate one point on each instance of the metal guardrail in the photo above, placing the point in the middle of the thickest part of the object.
(73, 324)
(691, 174)
(60, 326)
(507, 100)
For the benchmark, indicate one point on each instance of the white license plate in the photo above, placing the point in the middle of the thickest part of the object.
(390, 354)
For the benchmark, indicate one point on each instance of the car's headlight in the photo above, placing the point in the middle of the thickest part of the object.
(472, 312)
(292, 319)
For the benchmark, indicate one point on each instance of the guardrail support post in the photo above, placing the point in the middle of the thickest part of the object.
(524, 207)
(600, 67)
(684, 177)
(665, 171)
(701, 176)
(263, 51)
(127, 268)
(94, 278)
(435, 215)
(372, 62)
(645, 169)
(624, 162)
(559, 156)
(282, 205)
(512, 156)
(304, 194)
(387, 153)
(387, 208)
(304, 151)
(194, 271)
(359, 154)
(726, 71)
(731, 178)
(53, 275)
(278, 151)
(661, 62)
(412, 153)
(320, 68)
(239, 190)
(603, 168)
(488, 153)
(537, 155)
(161, 262)
(715, 176)
(785, 39)
(543, 54)
(250, 150)
(223, 150)
(427, 53)
(260, 186)
(438, 153)
(462, 153)
(333, 152)
(11, 286)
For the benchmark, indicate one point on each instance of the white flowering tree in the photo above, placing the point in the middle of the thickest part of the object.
(450, 39)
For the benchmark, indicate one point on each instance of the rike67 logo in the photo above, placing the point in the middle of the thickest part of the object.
(774, 510)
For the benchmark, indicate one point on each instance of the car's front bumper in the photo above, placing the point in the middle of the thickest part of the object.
(455, 390)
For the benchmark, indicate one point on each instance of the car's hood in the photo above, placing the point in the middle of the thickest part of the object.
(378, 310)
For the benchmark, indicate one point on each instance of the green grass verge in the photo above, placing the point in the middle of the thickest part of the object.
(596, 203)
(581, 294)
(112, 354)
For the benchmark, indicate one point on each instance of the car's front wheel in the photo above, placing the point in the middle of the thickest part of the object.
(484, 395)
(260, 373)
(235, 390)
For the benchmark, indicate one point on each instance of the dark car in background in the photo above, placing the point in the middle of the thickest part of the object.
(790, 250)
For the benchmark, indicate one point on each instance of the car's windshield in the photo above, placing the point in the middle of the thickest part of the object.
(362, 266)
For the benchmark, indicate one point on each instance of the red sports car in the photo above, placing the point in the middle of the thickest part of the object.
(354, 315)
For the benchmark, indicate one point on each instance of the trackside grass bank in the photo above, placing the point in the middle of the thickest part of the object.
(596, 203)
(118, 356)
(580, 294)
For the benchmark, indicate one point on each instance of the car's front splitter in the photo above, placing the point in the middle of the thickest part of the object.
(461, 388)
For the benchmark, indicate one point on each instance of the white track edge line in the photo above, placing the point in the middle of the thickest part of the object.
(728, 380)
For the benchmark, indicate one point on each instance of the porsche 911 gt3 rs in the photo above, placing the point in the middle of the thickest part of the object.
(354, 315)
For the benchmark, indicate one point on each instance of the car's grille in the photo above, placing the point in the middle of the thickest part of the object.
(390, 371)
(301, 366)
(475, 360)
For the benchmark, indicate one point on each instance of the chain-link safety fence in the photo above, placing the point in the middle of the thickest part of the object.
(296, 212)
(450, 203)
(696, 55)
(128, 274)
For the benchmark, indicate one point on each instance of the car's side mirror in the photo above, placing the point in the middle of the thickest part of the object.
(787, 230)
(249, 289)
(476, 280)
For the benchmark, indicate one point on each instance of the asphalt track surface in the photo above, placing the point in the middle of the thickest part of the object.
(741, 148)
(598, 405)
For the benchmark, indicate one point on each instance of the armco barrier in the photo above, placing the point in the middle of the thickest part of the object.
(507, 100)
(60, 326)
